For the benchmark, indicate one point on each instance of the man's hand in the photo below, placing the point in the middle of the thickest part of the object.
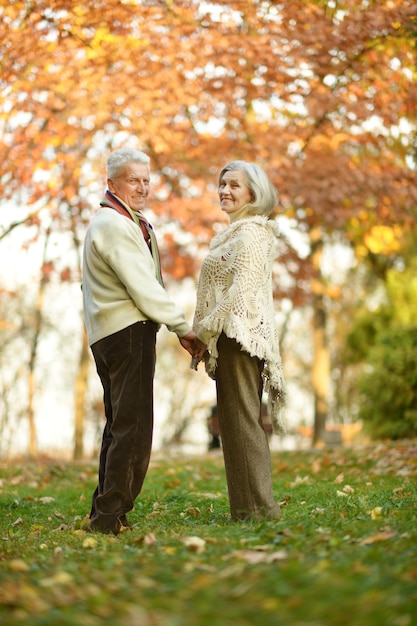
(187, 342)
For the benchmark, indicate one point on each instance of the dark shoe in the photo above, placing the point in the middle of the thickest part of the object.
(124, 521)
(106, 530)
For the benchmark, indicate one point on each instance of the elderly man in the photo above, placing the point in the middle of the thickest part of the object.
(124, 304)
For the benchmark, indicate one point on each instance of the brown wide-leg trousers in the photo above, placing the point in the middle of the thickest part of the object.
(245, 446)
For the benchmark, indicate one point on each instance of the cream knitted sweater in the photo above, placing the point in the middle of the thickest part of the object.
(234, 296)
(119, 283)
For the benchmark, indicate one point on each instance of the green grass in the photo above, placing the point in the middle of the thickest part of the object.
(344, 553)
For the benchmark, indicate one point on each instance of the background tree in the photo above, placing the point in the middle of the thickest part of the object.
(320, 93)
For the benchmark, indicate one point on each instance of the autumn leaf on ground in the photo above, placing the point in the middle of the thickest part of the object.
(90, 543)
(300, 481)
(149, 539)
(18, 565)
(384, 535)
(194, 544)
(376, 513)
(258, 556)
(341, 494)
(60, 578)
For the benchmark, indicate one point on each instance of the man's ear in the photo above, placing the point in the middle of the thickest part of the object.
(110, 185)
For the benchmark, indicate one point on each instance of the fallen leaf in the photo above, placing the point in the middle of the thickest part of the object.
(384, 535)
(194, 544)
(208, 494)
(90, 543)
(250, 556)
(46, 499)
(339, 478)
(60, 578)
(18, 565)
(300, 481)
(376, 513)
(278, 555)
(149, 539)
(316, 466)
(348, 489)
(258, 556)
(341, 494)
(194, 511)
(18, 522)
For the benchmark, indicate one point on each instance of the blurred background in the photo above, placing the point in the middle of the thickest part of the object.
(321, 93)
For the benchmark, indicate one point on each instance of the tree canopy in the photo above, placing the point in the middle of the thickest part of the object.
(320, 93)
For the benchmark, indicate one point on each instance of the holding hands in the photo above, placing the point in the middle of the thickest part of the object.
(193, 345)
(199, 349)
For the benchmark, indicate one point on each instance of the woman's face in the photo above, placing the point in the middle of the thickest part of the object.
(233, 191)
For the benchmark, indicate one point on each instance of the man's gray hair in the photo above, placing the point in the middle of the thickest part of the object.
(119, 158)
(263, 193)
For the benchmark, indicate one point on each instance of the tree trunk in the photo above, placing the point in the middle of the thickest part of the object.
(321, 357)
(32, 444)
(81, 386)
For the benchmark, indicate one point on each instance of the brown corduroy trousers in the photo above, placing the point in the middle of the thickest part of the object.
(125, 364)
(245, 446)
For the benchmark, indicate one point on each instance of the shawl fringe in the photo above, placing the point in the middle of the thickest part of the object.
(272, 376)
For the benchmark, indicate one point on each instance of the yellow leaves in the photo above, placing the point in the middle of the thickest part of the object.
(341, 494)
(376, 513)
(90, 543)
(384, 239)
(59, 578)
(18, 565)
(23, 596)
(331, 142)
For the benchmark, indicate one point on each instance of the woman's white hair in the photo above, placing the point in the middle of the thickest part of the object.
(119, 158)
(263, 193)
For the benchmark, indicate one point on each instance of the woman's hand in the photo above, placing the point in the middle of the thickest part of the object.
(199, 349)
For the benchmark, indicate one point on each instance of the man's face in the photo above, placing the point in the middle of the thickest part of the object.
(132, 185)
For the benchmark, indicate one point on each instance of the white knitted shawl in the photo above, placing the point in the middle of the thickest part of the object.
(234, 296)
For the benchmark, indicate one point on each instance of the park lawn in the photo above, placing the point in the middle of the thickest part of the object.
(344, 552)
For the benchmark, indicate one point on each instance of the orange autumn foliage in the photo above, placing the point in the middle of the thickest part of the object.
(321, 94)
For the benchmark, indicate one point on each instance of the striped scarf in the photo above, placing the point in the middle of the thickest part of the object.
(113, 202)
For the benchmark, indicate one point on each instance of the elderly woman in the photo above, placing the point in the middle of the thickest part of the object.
(236, 336)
